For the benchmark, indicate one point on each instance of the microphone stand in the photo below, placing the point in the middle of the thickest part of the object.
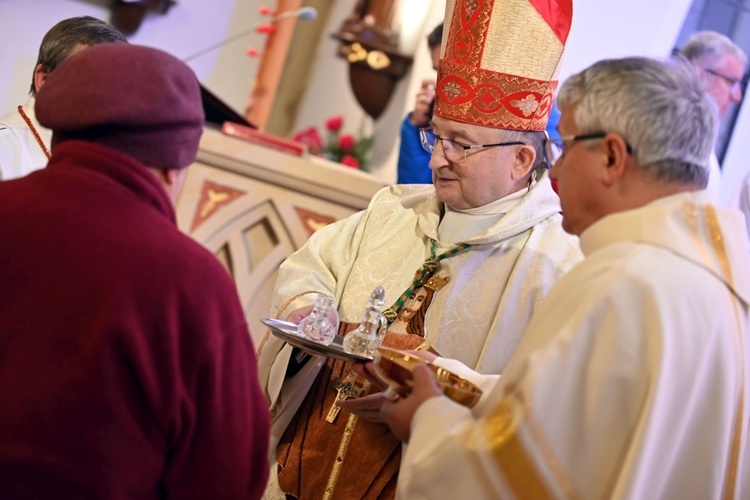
(273, 20)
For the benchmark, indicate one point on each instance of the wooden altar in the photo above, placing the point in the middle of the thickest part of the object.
(252, 206)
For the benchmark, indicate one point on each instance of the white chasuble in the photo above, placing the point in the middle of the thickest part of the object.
(477, 316)
(631, 381)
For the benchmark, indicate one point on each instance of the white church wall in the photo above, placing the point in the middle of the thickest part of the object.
(601, 29)
(189, 27)
(604, 29)
(329, 92)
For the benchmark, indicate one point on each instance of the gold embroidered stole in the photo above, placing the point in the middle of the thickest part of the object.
(349, 458)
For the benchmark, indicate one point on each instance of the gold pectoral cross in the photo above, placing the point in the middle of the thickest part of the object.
(345, 389)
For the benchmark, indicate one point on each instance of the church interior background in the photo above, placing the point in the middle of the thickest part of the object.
(253, 205)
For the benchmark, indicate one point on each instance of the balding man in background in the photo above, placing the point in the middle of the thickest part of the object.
(721, 66)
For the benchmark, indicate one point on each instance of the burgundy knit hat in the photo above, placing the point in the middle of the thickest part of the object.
(138, 100)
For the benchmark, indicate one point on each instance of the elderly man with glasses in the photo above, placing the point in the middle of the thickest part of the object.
(632, 379)
(486, 238)
(721, 65)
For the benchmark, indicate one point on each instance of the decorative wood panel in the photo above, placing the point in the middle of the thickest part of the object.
(253, 206)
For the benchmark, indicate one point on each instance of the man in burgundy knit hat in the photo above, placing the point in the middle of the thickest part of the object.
(126, 368)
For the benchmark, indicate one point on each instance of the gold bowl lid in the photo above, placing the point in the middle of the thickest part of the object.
(395, 367)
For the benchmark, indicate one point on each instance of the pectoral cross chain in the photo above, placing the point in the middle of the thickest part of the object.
(345, 389)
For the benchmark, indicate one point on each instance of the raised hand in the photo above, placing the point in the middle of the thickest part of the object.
(421, 116)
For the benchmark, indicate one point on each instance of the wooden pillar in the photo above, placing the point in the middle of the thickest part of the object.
(266, 83)
(298, 69)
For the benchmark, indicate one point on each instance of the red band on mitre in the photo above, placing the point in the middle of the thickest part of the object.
(493, 99)
(509, 99)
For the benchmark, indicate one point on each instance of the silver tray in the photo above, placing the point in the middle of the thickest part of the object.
(287, 332)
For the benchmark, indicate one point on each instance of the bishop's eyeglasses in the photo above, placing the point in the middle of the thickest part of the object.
(455, 151)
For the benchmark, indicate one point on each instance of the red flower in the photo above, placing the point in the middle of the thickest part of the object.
(334, 123)
(346, 143)
(350, 161)
(311, 139)
(253, 52)
(265, 11)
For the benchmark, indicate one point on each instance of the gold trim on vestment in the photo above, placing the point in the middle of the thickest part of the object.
(503, 441)
(346, 438)
(716, 237)
(717, 240)
(555, 467)
(518, 468)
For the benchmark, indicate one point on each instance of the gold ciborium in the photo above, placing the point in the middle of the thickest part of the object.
(395, 367)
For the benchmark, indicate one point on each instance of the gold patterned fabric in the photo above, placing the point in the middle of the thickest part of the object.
(345, 458)
(500, 60)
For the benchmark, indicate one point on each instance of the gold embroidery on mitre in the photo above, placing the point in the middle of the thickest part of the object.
(468, 33)
(493, 101)
(495, 55)
(452, 89)
(528, 105)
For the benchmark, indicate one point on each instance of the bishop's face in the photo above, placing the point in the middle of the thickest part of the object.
(477, 178)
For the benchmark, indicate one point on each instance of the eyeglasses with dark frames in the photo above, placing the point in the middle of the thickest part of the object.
(455, 151)
(741, 82)
(554, 149)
